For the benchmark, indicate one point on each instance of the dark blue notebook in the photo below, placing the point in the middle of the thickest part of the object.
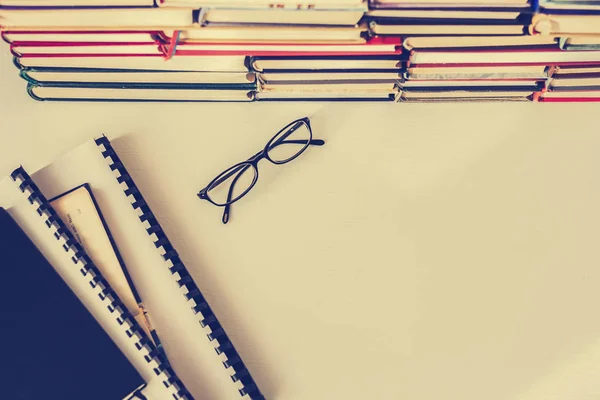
(53, 348)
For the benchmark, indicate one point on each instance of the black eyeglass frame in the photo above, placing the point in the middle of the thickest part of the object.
(253, 161)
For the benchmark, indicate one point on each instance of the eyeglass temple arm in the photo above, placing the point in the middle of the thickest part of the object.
(314, 142)
(227, 208)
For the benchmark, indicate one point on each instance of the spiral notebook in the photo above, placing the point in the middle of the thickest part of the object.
(179, 312)
(64, 331)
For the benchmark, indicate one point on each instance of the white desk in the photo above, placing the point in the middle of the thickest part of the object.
(426, 252)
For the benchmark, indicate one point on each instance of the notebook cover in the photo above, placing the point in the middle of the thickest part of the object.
(155, 359)
(173, 262)
(53, 346)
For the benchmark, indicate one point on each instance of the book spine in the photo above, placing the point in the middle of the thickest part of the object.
(23, 73)
(390, 98)
(17, 63)
(181, 275)
(106, 294)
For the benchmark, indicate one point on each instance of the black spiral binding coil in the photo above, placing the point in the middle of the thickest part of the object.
(159, 364)
(198, 303)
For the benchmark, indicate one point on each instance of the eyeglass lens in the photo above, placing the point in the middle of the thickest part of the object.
(232, 184)
(290, 142)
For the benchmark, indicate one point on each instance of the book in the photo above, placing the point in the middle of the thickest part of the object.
(37, 4)
(150, 62)
(53, 36)
(464, 96)
(565, 25)
(583, 96)
(579, 43)
(254, 3)
(480, 72)
(443, 15)
(569, 6)
(574, 84)
(282, 15)
(99, 93)
(75, 351)
(132, 78)
(474, 85)
(502, 57)
(436, 29)
(340, 77)
(326, 89)
(478, 42)
(87, 49)
(180, 313)
(404, 22)
(99, 19)
(588, 71)
(241, 33)
(374, 46)
(342, 95)
(209, 32)
(452, 4)
(325, 63)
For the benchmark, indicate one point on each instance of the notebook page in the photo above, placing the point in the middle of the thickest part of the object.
(189, 350)
(78, 210)
(26, 216)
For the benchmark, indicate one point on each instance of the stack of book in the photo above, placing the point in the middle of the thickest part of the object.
(244, 50)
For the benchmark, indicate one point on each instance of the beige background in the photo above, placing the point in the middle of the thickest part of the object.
(426, 252)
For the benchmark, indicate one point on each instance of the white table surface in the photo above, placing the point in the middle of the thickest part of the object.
(426, 252)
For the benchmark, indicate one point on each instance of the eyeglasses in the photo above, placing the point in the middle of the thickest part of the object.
(235, 182)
